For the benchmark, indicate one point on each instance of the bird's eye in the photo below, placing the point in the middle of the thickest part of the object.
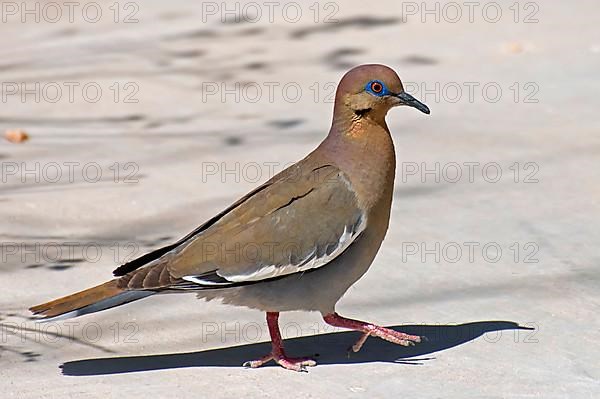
(376, 87)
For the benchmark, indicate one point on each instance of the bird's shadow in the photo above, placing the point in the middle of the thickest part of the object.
(331, 348)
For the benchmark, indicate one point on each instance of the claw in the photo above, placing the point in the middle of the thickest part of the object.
(277, 354)
(290, 363)
(258, 362)
(368, 330)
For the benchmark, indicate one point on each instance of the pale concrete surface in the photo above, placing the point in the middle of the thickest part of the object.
(179, 142)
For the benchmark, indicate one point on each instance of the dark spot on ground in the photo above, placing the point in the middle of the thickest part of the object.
(345, 51)
(170, 16)
(419, 60)
(59, 267)
(336, 57)
(238, 19)
(233, 140)
(194, 34)
(153, 125)
(30, 356)
(255, 65)
(76, 260)
(9, 66)
(357, 22)
(66, 32)
(192, 53)
(285, 123)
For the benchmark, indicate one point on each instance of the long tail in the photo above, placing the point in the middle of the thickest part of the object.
(94, 299)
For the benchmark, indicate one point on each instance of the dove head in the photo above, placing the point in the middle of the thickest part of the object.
(370, 91)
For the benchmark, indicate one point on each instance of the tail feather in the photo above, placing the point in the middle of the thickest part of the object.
(92, 300)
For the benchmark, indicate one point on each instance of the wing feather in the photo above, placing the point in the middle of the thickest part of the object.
(299, 221)
(293, 226)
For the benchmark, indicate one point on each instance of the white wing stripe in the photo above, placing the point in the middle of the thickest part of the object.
(198, 280)
(309, 262)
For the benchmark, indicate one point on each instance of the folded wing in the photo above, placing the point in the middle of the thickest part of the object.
(296, 223)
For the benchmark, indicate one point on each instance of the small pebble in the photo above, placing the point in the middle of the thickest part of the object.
(514, 48)
(16, 136)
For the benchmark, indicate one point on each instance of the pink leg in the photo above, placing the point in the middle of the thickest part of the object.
(370, 329)
(277, 354)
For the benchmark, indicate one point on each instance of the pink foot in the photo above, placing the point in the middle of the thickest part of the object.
(369, 329)
(290, 363)
(277, 354)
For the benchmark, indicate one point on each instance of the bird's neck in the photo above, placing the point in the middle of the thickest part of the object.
(364, 148)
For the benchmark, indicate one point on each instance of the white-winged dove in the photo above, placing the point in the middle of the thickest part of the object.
(297, 242)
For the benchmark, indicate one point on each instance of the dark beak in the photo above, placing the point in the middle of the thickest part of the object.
(407, 99)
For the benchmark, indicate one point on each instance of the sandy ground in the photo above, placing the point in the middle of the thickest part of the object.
(171, 118)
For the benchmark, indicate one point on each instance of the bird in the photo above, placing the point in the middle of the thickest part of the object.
(297, 242)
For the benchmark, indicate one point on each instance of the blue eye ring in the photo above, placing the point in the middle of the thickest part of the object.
(376, 88)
